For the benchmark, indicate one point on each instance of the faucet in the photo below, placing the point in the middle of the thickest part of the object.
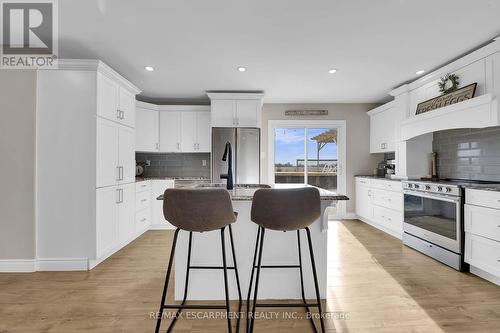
(228, 155)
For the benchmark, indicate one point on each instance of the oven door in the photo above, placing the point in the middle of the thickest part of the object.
(436, 219)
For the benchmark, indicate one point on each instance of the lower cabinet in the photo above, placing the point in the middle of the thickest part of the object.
(158, 188)
(115, 218)
(143, 199)
(380, 203)
(482, 233)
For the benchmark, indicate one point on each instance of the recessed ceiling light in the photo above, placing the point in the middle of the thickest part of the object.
(149, 68)
(420, 72)
(332, 71)
(242, 69)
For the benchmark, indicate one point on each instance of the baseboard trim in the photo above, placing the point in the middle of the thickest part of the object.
(62, 264)
(485, 275)
(17, 265)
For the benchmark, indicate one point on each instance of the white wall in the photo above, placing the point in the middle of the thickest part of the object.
(359, 160)
(17, 169)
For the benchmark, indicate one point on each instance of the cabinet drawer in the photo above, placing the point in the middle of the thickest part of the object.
(363, 181)
(387, 199)
(388, 185)
(143, 186)
(489, 199)
(483, 221)
(142, 200)
(483, 253)
(142, 219)
(388, 218)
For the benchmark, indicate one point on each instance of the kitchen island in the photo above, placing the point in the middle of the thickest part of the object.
(280, 248)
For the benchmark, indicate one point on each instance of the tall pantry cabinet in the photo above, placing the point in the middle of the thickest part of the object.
(85, 164)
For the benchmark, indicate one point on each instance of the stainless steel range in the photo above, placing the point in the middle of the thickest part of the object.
(433, 220)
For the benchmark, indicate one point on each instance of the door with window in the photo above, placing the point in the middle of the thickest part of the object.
(306, 155)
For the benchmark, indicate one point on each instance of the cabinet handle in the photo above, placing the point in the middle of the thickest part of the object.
(118, 173)
(157, 146)
(144, 200)
(178, 146)
(121, 192)
(118, 114)
(194, 145)
(123, 114)
(118, 195)
(143, 219)
(369, 193)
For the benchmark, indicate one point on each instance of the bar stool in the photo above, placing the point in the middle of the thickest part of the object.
(284, 210)
(199, 210)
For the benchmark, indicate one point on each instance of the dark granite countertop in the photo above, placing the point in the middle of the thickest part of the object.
(200, 179)
(245, 193)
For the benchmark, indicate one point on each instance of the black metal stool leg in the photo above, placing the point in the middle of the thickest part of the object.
(167, 277)
(186, 284)
(313, 264)
(259, 263)
(251, 276)
(302, 281)
(226, 289)
(238, 319)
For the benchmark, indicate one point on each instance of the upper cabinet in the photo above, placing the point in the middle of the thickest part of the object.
(236, 110)
(114, 101)
(147, 127)
(170, 132)
(383, 128)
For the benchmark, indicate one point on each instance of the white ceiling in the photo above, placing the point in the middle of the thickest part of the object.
(288, 46)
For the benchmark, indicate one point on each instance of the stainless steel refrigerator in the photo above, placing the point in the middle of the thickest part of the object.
(245, 143)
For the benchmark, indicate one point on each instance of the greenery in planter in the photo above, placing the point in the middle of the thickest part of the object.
(454, 80)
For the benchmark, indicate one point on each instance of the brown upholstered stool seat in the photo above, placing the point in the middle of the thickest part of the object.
(198, 209)
(286, 209)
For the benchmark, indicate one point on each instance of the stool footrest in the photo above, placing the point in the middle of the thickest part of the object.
(194, 306)
(210, 267)
(278, 266)
(290, 305)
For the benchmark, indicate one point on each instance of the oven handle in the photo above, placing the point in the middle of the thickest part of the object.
(436, 197)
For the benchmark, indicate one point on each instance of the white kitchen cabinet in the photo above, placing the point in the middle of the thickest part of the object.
(236, 110)
(383, 128)
(203, 132)
(80, 214)
(379, 203)
(170, 131)
(126, 213)
(158, 188)
(482, 233)
(126, 106)
(364, 206)
(147, 130)
(114, 102)
(188, 132)
(143, 199)
(115, 154)
(107, 200)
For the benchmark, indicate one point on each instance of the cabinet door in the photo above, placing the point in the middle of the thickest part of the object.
(203, 132)
(383, 131)
(107, 172)
(364, 206)
(158, 187)
(126, 213)
(188, 132)
(127, 107)
(146, 130)
(107, 98)
(223, 113)
(106, 219)
(126, 154)
(170, 123)
(247, 112)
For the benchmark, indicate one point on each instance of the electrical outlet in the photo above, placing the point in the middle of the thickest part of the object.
(148, 163)
(204, 163)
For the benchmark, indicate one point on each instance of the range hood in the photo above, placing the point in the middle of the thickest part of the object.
(477, 112)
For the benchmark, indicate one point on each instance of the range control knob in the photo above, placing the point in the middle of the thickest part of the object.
(427, 187)
(417, 186)
(410, 185)
(448, 189)
(440, 188)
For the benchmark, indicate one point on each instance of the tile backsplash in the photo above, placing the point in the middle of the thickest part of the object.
(175, 164)
(468, 153)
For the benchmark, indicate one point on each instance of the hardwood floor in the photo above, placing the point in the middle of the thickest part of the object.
(375, 285)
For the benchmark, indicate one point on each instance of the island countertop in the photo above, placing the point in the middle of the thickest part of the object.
(245, 192)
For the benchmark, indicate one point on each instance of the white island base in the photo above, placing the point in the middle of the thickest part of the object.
(280, 248)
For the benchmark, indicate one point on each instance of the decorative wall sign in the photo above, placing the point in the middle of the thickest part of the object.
(293, 113)
(457, 96)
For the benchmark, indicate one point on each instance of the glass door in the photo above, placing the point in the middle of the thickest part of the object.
(306, 155)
